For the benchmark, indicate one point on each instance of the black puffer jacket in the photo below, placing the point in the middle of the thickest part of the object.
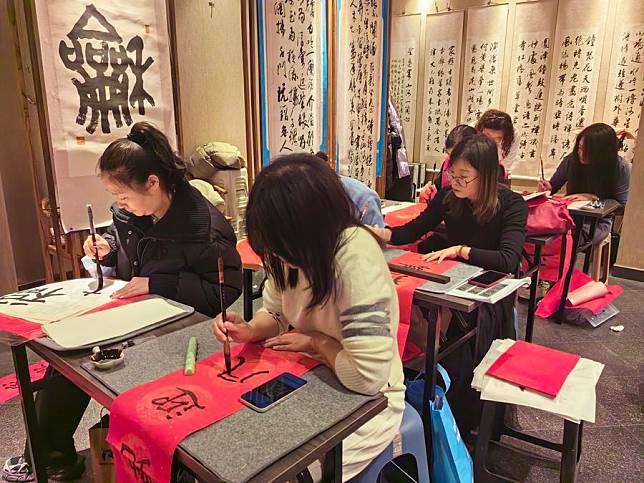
(179, 253)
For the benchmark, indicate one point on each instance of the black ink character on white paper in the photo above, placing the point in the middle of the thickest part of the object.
(102, 53)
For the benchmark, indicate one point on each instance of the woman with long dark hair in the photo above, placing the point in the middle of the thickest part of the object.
(594, 170)
(485, 226)
(329, 281)
(165, 239)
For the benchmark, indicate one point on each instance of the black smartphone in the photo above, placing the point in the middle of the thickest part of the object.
(267, 395)
(488, 278)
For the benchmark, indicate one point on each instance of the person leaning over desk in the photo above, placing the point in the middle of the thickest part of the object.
(165, 239)
(329, 281)
(485, 226)
(593, 171)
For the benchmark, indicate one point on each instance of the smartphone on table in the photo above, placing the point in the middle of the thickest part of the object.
(489, 278)
(267, 395)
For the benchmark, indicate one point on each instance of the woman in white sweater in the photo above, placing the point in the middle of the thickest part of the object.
(329, 281)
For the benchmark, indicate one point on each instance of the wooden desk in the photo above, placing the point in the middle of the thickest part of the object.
(581, 216)
(327, 444)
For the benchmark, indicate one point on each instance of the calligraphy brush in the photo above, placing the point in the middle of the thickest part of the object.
(542, 175)
(92, 231)
(220, 267)
(434, 173)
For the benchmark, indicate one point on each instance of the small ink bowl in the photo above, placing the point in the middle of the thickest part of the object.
(103, 359)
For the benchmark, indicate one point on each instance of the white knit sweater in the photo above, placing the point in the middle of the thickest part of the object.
(363, 317)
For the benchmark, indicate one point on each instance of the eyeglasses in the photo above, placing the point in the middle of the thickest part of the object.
(459, 181)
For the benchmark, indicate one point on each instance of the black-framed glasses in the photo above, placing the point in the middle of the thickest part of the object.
(459, 181)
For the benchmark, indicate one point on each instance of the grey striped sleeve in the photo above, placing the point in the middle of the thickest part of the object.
(366, 320)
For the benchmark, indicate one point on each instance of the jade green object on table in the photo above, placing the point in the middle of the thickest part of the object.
(191, 357)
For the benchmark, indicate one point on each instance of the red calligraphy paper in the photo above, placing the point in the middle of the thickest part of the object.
(248, 256)
(405, 287)
(22, 328)
(416, 262)
(9, 383)
(148, 422)
(549, 305)
(404, 215)
(534, 367)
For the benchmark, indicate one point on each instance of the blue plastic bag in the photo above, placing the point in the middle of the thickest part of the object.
(451, 462)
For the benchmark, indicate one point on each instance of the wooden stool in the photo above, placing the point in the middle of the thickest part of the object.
(493, 415)
(600, 267)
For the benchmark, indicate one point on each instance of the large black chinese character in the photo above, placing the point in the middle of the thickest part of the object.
(108, 91)
(31, 296)
(139, 466)
(178, 404)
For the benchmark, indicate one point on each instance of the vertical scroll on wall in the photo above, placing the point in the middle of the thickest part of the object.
(105, 65)
(361, 87)
(443, 34)
(574, 77)
(292, 57)
(403, 72)
(484, 52)
(529, 78)
(625, 93)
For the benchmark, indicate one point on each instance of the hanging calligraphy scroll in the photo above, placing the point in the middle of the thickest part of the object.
(106, 65)
(484, 52)
(625, 93)
(403, 73)
(362, 81)
(574, 78)
(443, 34)
(528, 90)
(292, 57)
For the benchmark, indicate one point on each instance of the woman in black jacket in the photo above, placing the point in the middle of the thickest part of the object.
(166, 239)
(485, 226)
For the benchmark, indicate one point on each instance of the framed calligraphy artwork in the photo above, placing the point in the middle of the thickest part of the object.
(293, 76)
(362, 88)
(105, 65)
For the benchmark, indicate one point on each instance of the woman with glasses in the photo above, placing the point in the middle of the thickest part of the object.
(485, 222)
(485, 226)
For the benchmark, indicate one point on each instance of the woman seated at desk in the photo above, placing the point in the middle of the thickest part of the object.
(165, 239)
(594, 170)
(485, 226)
(328, 279)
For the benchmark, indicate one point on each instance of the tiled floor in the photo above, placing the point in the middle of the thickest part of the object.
(613, 447)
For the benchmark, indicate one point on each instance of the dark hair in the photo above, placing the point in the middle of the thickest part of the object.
(481, 153)
(600, 155)
(499, 121)
(458, 134)
(145, 151)
(297, 210)
(323, 156)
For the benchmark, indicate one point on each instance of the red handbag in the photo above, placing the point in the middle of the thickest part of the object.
(547, 216)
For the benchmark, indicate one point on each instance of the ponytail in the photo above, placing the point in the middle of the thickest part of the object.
(145, 151)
